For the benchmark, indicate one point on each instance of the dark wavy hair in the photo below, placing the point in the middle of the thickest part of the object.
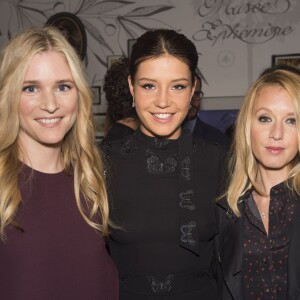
(155, 43)
(117, 92)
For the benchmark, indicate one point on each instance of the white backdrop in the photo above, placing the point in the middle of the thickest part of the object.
(235, 38)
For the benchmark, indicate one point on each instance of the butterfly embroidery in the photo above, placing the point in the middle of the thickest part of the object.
(185, 168)
(186, 200)
(161, 287)
(187, 233)
(155, 166)
(127, 145)
(161, 143)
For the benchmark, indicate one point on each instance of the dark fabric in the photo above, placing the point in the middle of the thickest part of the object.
(207, 132)
(188, 210)
(118, 131)
(284, 217)
(147, 201)
(265, 258)
(230, 253)
(56, 254)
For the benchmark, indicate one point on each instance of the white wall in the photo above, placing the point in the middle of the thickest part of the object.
(235, 38)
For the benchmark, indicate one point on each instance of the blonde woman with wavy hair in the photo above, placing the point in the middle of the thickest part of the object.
(260, 213)
(54, 212)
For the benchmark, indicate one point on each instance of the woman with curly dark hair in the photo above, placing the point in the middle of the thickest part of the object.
(121, 116)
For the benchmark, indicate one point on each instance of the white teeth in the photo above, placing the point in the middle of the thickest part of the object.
(49, 121)
(162, 116)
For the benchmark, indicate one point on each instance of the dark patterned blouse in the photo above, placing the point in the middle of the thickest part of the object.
(162, 195)
(266, 256)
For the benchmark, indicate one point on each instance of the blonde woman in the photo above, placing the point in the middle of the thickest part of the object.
(53, 202)
(260, 219)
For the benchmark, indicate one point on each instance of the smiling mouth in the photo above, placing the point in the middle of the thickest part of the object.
(162, 116)
(49, 121)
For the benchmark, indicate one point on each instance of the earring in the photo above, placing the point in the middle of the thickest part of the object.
(133, 103)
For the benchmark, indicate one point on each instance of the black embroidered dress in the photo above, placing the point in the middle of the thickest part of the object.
(162, 195)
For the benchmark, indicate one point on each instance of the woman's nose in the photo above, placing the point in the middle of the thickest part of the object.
(277, 131)
(162, 100)
(49, 103)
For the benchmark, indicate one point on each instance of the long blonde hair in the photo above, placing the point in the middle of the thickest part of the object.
(243, 166)
(80, 153)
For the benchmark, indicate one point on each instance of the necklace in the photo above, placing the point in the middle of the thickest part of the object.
(263, 214)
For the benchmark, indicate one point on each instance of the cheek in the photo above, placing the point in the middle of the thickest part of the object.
(141, 104)
(188, 100)
(295, 142)
(187, 105)
(256, 140)
(257, 133)
(72, 103)
(141, 114)
(183, 104)
(73, 108)
(25, 107)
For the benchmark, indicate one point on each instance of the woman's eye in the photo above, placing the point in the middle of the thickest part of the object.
(148, 86)
(264, 119)
(179, 87)
(291, 121)
(64, 87)
(30, 89)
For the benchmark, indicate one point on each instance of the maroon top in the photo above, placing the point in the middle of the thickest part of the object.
(57, 255)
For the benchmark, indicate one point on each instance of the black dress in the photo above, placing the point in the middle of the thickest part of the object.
(118, 130)
(162, 195)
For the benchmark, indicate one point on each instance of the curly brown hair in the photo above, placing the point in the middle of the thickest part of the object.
(117, 92)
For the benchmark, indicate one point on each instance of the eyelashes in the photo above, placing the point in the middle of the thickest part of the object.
(29, 89)
(149, 86)
(34, 88)
(266, 119)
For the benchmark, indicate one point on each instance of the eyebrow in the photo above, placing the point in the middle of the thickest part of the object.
(174, 80)
(37, 81)
(292, 113)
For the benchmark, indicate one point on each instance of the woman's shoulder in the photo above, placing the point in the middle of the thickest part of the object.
(222, 204)
(120, 146)
(207, 146)
(207, 152)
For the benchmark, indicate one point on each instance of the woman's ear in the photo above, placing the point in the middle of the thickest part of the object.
(130, 83)
(194, 86)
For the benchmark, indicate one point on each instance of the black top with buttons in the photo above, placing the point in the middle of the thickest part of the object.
(162, 194)
(265, 255)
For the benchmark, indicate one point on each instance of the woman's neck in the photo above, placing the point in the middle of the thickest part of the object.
(266, 179)
(130, 122)
(46, 159)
